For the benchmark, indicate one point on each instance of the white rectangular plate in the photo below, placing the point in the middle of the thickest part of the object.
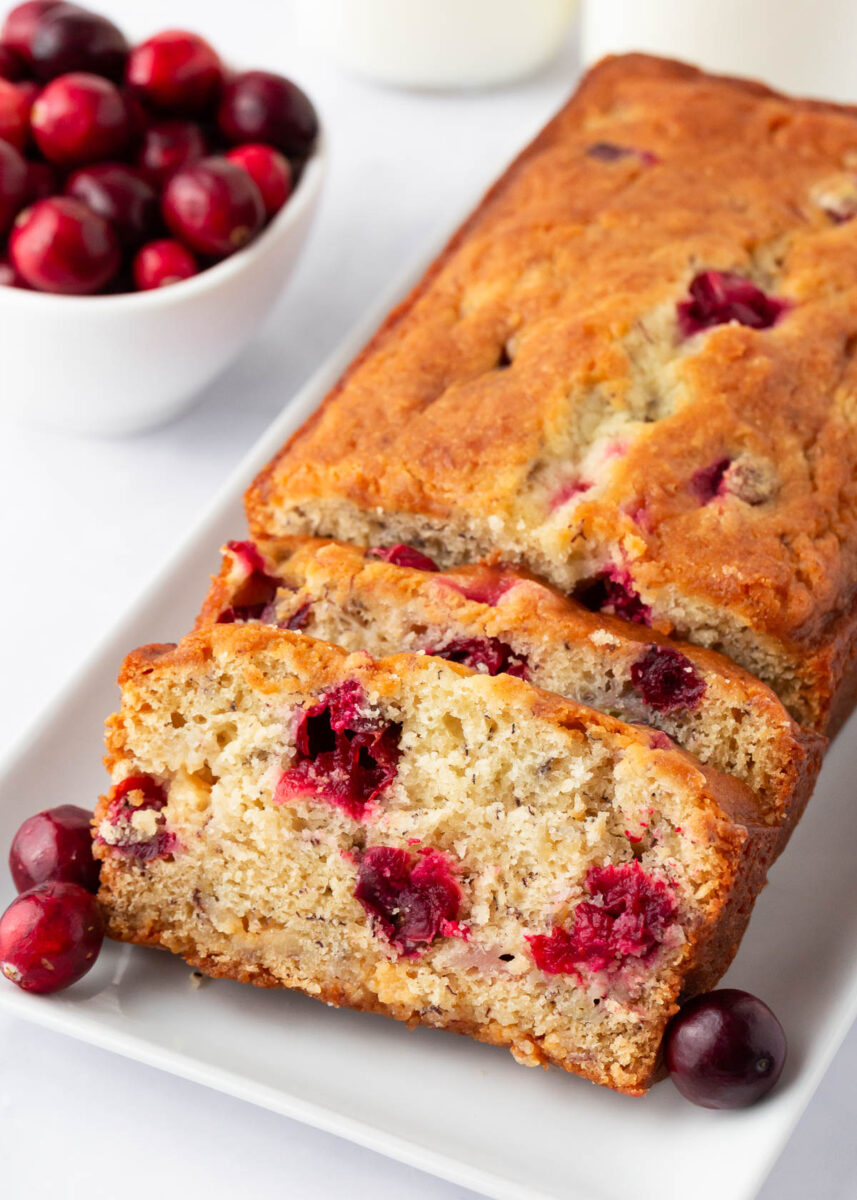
(463, 1111)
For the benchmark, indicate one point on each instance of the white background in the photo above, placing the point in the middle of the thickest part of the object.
(85, 523)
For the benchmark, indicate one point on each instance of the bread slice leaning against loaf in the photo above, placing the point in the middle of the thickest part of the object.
(410, 837)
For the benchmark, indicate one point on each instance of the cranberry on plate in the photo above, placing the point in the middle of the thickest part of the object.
(213, 206)
(268, 169)
(259, 106)
(20, 25)
(725, 1049)
(14, 179)
(80, 118)
(50, 936)
(176, 72)
(161, 263)
(168, 145)
(60, 245)
(120, 195)
(68, 38)
(15, 104)
(54, 846)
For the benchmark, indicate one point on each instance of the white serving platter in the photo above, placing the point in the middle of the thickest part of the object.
(462, 1111)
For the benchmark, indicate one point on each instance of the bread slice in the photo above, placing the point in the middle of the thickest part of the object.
(498, 621)
(632, 372)
(410, 837)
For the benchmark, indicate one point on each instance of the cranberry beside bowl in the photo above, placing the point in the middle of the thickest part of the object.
(149, 216)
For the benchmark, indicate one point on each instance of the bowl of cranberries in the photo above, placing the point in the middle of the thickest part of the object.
(153, 201)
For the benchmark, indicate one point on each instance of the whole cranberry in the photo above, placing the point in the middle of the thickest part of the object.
(176, 72)
(68, 38)
(60, 245)
(54, 846)
(13, 185)
(268, 169)
(725, 1049)
(161, 263)
(50, 936)
(42, 181)
(213, 206)
(259, 106)
(15, 103)
(80, 118)
(120, 195)
(168, 145)
(9, 277)
(20, 26)
(12, 66)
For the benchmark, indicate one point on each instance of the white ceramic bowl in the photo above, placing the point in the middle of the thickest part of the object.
(117, 364)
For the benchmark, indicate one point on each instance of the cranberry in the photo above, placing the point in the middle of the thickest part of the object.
(269, 171)
(721, 296)
(486, 654)
(168, 145)
(80, 118)
(257, 589)
(12, 66)
(55, 846)
(13, 185)
(667, 680)
(261, 107)
(403, 556)
(138, 793)
(567, 491)
(161, 263)
(630, 920)
(610, 152)
(176, 71)
(59, 245)
(9, 277)
(120, 195)
(297, 620)
(708, 483)
(341, 756)
(410, 899)
(50, 937)
(69, 38)
(214, 206)
(247, 556)
(613, 591)
(485, 589)
(20, 26)
(42, 181)
(725, 1049)
(15, 104)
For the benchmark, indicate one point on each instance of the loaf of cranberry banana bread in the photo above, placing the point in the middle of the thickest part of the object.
(411, 837)
(393, 600)
(631, 372)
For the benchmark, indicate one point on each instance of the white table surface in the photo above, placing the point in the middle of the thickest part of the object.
(84, 523)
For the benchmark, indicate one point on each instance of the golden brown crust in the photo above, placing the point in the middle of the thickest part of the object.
(570, 256)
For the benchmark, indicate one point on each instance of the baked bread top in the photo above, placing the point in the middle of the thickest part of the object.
(632, 371)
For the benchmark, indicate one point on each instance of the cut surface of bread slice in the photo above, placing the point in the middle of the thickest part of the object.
(409, 837)
(393, 600)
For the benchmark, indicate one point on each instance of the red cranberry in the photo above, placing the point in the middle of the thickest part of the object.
(120, 195)
(629, 919)
(42, 181)
(168, 145)
(259, 106)
(176, 72)
(489, 655)
(708, 482)
(403, 556)
(13, 185)
(50, 937)
(20, 26)
(15, 104)
(410, 899)
(341, 756)
(717, 297)
(80, 118)
(12, 66)
(69, 38)
(161, 263)
(725, 1049)
(667, 680)
(269, 170)
(214, 206)
(59, 245)
(613, 591)
(55, 846)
